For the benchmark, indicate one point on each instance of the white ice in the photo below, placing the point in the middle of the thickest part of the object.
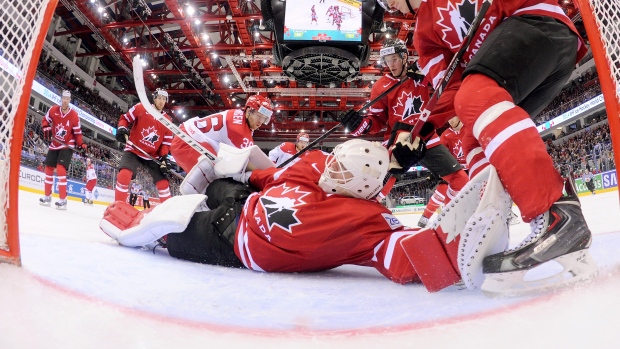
(78, 289)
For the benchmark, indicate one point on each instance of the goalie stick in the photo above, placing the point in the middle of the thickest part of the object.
(333, 129)
(454, 63)
(138, 78)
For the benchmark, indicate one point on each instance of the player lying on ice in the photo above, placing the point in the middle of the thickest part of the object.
(315, 215)
(519, 59)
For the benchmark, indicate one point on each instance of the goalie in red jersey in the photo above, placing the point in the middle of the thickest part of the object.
(317, 214)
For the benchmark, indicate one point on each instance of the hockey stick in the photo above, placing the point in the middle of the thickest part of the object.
(138, 78)
(454, 63)
(79, 150)
(333, 129)
(159, 163)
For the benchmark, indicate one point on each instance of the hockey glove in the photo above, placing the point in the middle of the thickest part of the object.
(414, 73)
(47, 133)
(408, 154)
(163, 164)
(351, 120)
(121, 132)
(83, 146)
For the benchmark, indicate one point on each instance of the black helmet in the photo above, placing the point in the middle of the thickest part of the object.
(392, 46)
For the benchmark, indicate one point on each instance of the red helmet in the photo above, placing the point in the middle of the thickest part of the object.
(262, 105)
(303, 137)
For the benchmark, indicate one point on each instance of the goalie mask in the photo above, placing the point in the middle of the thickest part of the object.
(355, 168)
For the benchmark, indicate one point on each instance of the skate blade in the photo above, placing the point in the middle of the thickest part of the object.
(46, 205)
(578, 267)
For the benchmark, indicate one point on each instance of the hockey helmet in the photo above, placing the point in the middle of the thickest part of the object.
(303, 137)
(160, 92)
(66, 93)
(393, 46)
(262, 105)
(355, 168)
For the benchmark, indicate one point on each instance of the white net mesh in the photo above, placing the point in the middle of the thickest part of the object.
(607, 16)
(20, 23)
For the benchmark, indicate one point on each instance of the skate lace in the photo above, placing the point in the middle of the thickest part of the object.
(536, 226)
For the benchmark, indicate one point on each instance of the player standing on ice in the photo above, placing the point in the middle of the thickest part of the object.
(150, 136)
(588, 179)
(399, 110)
(91, 182)
(233, 127)
(293, 224)
(519, 59)
(61, 126)
(286, 150)
(314, 19)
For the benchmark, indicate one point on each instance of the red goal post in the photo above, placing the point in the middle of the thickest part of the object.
(601, 19)
(24, 26)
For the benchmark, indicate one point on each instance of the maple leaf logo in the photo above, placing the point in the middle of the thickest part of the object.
(150, 136)
(60, 132)
(408, 105)
(457, 150)
(456, 18)
(279, 206)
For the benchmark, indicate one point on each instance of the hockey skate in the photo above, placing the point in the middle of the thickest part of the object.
(45, 201)
(61, 204)
(561, 235)
(423, 222)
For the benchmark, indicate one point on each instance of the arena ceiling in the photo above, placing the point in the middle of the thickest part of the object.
(210, 55)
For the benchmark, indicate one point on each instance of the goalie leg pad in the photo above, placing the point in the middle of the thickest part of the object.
(454, 216)
(486, 231)
(430, 260)
(199, 177)
(133, 228)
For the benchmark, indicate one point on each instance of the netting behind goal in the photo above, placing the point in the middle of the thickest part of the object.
(23, 25)
(602, 21)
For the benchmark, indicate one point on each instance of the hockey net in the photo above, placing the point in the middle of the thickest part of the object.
(601, 18)
(23, 24)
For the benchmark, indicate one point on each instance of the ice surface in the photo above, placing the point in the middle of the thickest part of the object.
(78, 289)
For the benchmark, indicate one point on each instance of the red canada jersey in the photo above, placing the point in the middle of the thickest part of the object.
(404, 104)
(292, 225)
(282, 153)
(146, 133)
(442, 25)
(66, 127)
(229, 127)
(453, 141)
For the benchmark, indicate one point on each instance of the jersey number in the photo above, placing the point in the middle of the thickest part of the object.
(215, 123)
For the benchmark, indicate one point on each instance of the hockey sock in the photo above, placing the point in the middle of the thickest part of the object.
(474, 155)
(456, 182)
(163, 189)
(506, 133)
(122, 185)
(49, 180)
(438, 197)
(61, 172)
